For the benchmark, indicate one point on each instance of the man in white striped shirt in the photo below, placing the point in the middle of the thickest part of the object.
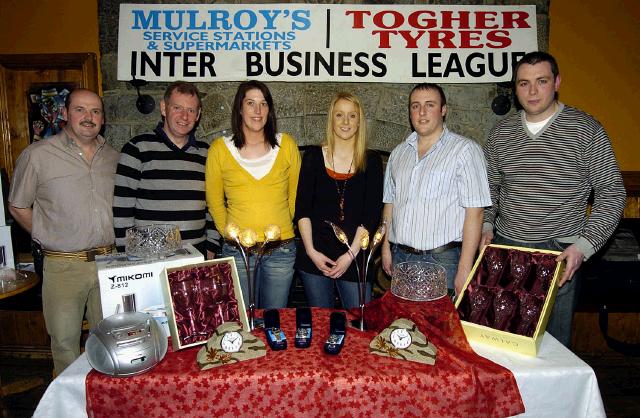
(543, 163)
(435, 188)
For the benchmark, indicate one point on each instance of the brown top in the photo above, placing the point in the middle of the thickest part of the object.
(71, 198)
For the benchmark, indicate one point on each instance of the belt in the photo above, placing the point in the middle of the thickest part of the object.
(437, 250)
(85, 255)
(268, 249)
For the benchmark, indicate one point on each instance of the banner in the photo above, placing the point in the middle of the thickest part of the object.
(312, 42)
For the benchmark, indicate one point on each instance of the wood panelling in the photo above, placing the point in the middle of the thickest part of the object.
(632, 186)
(17, 74)
(23, 329)
(587, 338)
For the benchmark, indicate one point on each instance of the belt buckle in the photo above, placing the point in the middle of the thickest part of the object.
(91, 255)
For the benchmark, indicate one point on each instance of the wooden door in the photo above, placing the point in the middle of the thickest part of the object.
(20, 74)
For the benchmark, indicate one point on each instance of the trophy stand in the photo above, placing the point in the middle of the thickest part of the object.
(246, 240)
(366, 252)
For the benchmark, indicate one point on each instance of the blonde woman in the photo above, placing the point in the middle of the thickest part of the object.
(341, 182)
(251, 181)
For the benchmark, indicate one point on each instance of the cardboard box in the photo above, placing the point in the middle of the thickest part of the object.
(6, 247)
(120, 278)
(511, 341)
(201, 296)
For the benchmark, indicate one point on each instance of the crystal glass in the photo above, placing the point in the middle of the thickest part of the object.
(419, 281)
(11, 279)
(152, 241)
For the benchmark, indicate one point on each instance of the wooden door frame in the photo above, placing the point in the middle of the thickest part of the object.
(87, 63)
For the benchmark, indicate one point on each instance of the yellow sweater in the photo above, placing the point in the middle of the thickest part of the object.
(252, 203)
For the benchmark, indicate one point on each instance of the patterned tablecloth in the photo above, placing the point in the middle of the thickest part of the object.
(308, 382)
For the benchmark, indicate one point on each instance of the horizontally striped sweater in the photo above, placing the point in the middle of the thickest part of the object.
(157, 182)
(540, 183)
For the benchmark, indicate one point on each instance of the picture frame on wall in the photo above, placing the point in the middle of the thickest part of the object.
(45, 103)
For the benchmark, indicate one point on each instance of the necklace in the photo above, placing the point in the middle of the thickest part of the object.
(344, 187)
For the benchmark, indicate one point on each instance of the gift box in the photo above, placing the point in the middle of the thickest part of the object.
(201, 296)
(508, 297)
(135, 285)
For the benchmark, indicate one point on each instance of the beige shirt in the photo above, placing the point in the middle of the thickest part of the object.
(71, 198)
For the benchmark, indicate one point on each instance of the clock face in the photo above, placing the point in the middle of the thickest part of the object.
(231, 342)
(400, 338)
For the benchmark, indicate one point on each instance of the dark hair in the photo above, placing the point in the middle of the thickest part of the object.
(67, 99)
(427, 86)
(183, 87)
(270, 128)
(536, 57)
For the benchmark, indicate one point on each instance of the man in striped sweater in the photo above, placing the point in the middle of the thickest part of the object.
(160, 175)
(543, 163)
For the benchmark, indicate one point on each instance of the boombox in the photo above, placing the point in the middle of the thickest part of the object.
(126, 344)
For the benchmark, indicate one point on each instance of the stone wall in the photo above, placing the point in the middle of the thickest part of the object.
(301, 107)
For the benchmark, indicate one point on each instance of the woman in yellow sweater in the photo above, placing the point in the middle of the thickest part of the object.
(251, 181)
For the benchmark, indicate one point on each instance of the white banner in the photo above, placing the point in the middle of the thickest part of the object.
(309, 42)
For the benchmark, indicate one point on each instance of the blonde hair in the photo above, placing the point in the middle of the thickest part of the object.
(360, 145)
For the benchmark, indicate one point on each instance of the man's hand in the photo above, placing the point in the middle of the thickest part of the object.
(387, 263)
(486, 238)
(574, 257)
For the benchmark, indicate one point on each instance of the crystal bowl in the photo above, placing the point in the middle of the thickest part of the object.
(419, 281)
(10, 279)
(152, 241)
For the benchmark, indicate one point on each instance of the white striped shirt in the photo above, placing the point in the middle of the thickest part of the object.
(540, 183)
(430, 194)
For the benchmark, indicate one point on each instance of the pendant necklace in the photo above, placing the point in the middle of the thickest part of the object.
(344, 187)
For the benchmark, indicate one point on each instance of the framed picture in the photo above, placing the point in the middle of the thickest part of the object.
(45, 108)
(201, 296)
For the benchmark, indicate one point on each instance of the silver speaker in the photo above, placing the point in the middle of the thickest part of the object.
(126, 344)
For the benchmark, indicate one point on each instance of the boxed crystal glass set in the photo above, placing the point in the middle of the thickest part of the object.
(199, 298)
(508, 297)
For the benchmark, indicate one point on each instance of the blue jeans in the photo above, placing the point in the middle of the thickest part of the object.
(320, 291)
(273, 278)
(448, 259)
(561, 319)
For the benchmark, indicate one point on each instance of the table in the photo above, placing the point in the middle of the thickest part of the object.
(555, 384)
(538, 380)
(31, 280)
(22, 385)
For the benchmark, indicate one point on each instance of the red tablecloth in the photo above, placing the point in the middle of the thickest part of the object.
(308, 382)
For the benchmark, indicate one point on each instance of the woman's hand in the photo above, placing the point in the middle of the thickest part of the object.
(342, 264)
(322, 262)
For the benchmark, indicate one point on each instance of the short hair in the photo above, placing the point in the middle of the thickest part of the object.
(536, 57)
(360, 146)
(270, 127)
(427, 86)
(183, 87)
(67, 99)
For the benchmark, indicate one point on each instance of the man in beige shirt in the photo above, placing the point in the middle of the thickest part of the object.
(61, 193)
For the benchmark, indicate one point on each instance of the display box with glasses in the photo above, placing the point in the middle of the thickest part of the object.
(135, 285)
(201, 296)
(508, 297)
